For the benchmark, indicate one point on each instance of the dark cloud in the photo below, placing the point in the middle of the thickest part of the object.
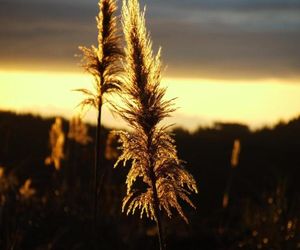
(200, 38)
(44, 33)
(197, 51)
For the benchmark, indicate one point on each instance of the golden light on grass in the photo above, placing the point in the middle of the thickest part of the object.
(148, 147)
(235, 153)
(26, 190)
(104, 64)
(225, 200)
(1, 172)
(289, 225)
(234, 161)
(56, 141)
(265, 240)
(78, 131)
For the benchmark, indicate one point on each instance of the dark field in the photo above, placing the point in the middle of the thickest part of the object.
(55, 210)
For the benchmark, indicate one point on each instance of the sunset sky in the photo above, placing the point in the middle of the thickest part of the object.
(231, 61)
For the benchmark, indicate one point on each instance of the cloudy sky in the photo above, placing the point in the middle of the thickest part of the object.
(241, 41)
(200, 38)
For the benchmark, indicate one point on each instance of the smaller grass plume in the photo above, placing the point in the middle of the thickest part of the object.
(57, 141)
(78, 131)
(235, 153)
(104, 61)
(234, 162)
(26, 191)
(104, 64)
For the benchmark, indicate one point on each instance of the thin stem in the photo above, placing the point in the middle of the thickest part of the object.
(97, 161)
(162, 243)
(101, 181)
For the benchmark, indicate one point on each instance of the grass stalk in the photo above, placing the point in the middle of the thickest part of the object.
(97, 161)
(148, 146)
(103, 63)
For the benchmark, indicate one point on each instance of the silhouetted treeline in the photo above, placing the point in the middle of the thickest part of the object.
(263, 200)
(268, 156)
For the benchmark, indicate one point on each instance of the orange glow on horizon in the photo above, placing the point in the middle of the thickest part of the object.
(200, 101)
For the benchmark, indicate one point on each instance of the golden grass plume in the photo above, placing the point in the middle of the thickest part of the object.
(103, 62)
(57, 141)
(149, 148)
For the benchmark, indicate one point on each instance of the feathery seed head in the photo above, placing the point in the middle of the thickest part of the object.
(149, 148)
(143, 95)
(57, 141)
(104, 61)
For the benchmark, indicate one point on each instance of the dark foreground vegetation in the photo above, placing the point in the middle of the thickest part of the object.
(45, 208)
